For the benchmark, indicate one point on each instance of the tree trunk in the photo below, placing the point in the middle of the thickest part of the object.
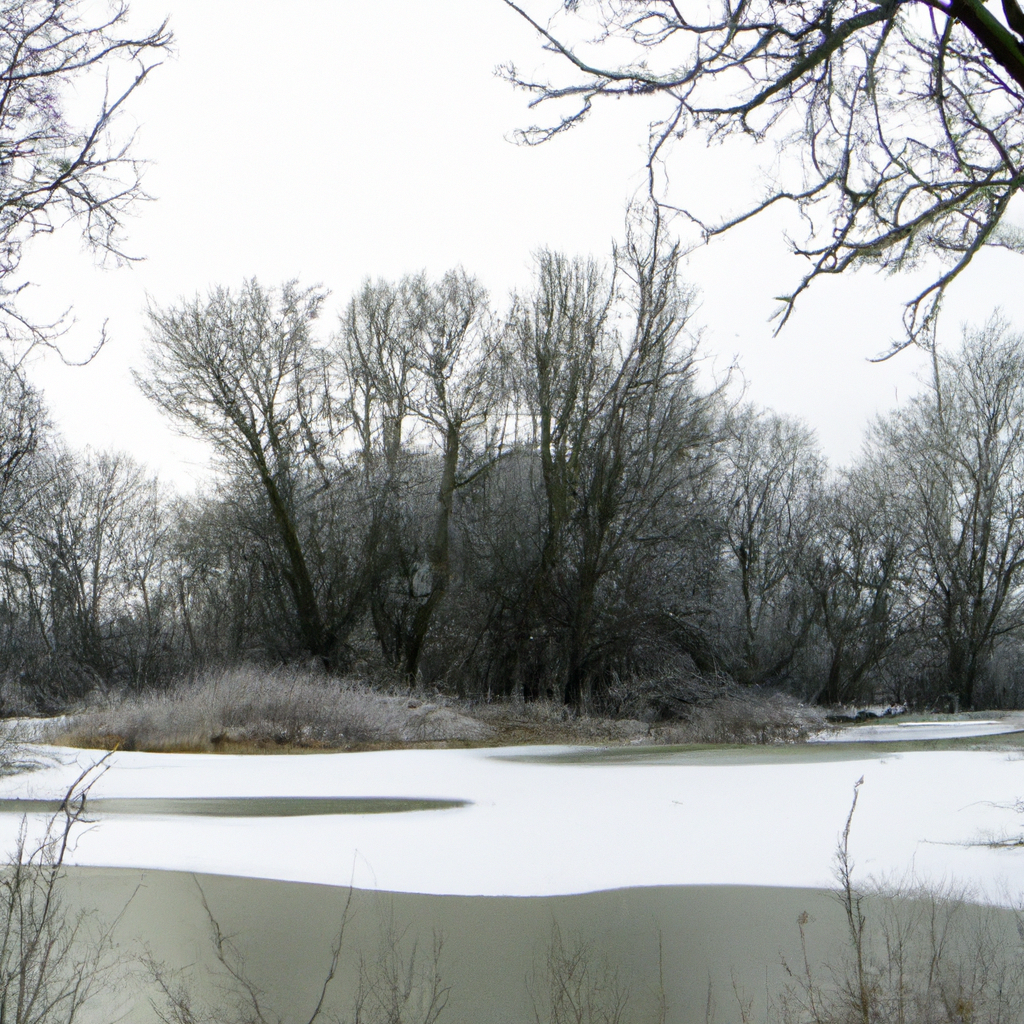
(317, 640)
(440, 570)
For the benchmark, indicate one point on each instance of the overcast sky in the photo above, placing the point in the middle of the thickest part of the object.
(331, 140)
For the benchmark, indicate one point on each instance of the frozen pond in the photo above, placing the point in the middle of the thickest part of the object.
(703, 860)
(548, 821)
(235, 807)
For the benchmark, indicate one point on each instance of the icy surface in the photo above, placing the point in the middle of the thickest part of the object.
(539, 828)
(895, 732)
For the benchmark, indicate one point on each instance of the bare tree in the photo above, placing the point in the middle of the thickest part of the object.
(423, 362)
(82, 575)
(772, 475)
(460, 399)
(52, 169)
(222, 598)
(608, 383)
(375, 349)
(23, 432)
(52, 960)
(244, 372)
(375, 345)
(899, 125)
(856, 565)
(957, 457)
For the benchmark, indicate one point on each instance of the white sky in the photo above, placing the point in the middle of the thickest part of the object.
(331, 140)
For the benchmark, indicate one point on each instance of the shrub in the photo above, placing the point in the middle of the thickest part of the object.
(924, 956)
(254, 708)
(52, 961)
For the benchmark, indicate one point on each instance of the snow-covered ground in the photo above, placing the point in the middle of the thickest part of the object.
(536, 828)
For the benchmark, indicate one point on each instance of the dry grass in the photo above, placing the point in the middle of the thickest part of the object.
(690, 709)
(914, 955)
(250, 710)
(670, 711)
(546, 721)
(744, 718)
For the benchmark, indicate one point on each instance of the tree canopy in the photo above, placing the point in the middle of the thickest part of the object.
(899, 125)
(56, 166)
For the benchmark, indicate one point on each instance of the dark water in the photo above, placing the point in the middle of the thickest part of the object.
(789, 753)
(237, 807)
(713, 953)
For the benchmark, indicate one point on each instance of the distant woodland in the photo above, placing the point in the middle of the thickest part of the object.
(546, 498)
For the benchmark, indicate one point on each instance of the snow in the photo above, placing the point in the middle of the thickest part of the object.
(540, 828)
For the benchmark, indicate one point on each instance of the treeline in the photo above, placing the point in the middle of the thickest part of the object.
(544, 499)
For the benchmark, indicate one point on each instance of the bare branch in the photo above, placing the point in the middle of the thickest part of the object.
(899, 126)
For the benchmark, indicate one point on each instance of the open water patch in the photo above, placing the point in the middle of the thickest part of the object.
(237, 806)
(918, 731)
(855, 743)
(707, 756)
(675, 952)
